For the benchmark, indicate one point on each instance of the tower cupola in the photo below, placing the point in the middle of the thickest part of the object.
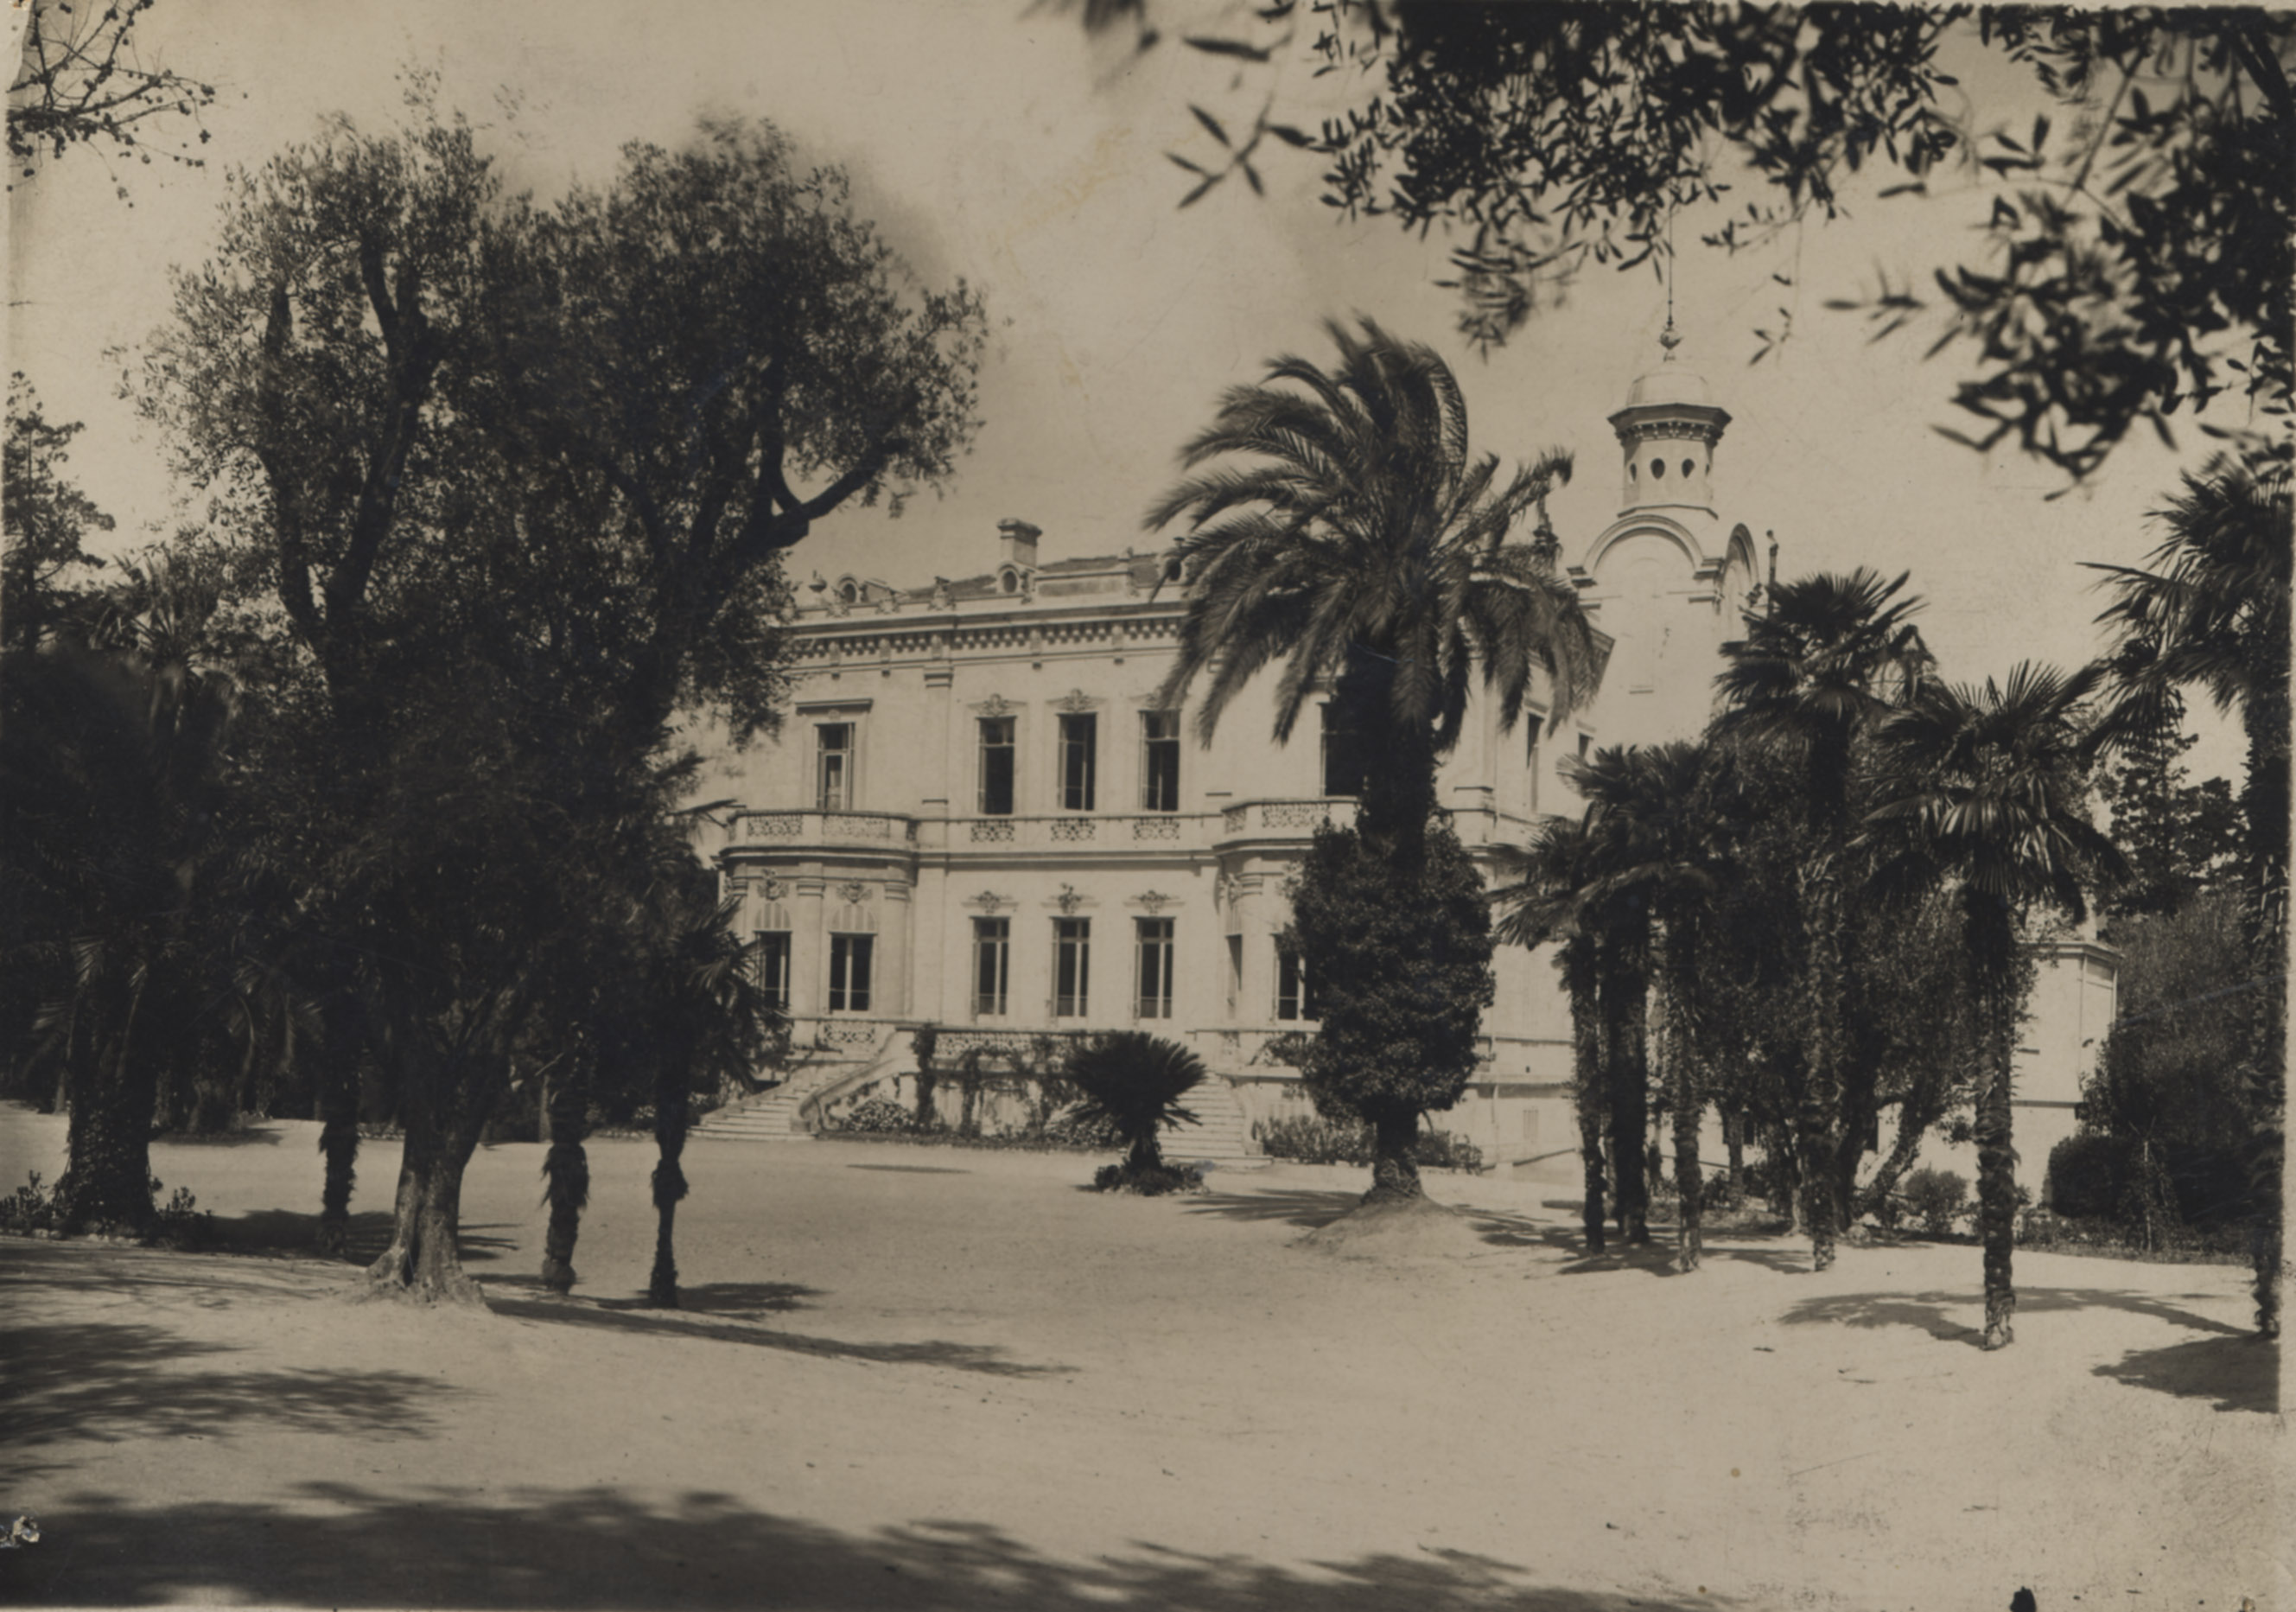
(1667, 433)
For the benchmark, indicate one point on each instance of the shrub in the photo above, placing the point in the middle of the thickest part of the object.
(1937, 1196)
(876, 1116)
(1149, 1180)
(2089, 1175)
(1316, 1140)
(30, 1208)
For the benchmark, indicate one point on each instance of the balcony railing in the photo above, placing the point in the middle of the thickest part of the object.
(1108, 831)
(1296, 817)
(815, 827)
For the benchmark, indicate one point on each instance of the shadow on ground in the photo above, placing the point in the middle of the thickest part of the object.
(632, 1315)
(115, 1381)
(2231, 1366)
(749, 1301)
(595, 1548)
(292, 1232)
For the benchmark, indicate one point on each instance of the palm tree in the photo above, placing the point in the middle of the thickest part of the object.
(2213, 611)
(1135, 1081)
(1984, 790)
(1547, 901)
(1829, 656)
(1336, 524)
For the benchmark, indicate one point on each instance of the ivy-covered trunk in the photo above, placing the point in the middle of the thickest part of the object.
(1992, 960)
(1587, 1093)
(107, 1186)
(1394, 1172)
(670, 1117)
(565, 1172)
(1821, 1090)
(2266, 809)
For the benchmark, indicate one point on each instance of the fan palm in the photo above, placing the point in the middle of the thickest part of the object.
(1547, 900)
(1983, 791)
(1337, 524)
(1135, 1081)
(2213, 611)
(1831, 653)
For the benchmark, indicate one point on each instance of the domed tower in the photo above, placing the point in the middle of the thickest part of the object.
(1666, 579)
(1668, 432)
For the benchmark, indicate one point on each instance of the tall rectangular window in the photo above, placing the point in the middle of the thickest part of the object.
(1072, 967)
(833, 767)
(1295, 995)
(1160, 760)
(772, 961)
(1080, 738)
(849, 956)
(992, 966)
(1343, 758)
(1156, 946)
(997, 754)
(1235, 973)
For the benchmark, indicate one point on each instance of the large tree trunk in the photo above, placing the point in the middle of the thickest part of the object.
(1624, 1007)
(566, 1173)
(1394, 1172)
(1733, 1139)
(669, 1188)
(424, 1261)
(444, 1107)
(1689, 1180)
(107, 1185)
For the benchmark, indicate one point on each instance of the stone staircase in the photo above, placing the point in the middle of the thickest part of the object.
(777, 1115)
(1222, 1134)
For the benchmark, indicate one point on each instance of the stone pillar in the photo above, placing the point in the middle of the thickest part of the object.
(809, 951)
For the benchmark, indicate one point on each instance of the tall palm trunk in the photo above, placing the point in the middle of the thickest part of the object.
(1625, 994)
(669, 1124)
(566, 1170)
(1581, 966)
(1992, 943)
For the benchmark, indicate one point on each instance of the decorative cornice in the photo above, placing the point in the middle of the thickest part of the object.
(1069, 900)
(854, 890)
(1154, 901)
(990, 902)
(1076, 700)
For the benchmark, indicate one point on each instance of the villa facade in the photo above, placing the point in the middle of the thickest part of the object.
(978, 816)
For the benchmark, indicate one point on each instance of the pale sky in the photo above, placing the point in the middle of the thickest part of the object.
(997, 143)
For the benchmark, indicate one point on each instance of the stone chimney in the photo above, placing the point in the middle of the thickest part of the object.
(1016, 543)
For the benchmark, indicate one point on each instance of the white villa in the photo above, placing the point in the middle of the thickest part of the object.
(977, 818)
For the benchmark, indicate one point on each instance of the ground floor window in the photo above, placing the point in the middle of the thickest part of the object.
(1155, 947)
(849, 957)
(1072, 967)
(992, 966)
(772, 964)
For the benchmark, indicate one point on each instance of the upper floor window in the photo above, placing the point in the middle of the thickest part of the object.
(997, 757)
(1343, 758)
(833, 767)
(1079, 742)
(1160, 760)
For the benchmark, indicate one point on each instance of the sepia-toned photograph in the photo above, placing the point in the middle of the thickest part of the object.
(1323, 805)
